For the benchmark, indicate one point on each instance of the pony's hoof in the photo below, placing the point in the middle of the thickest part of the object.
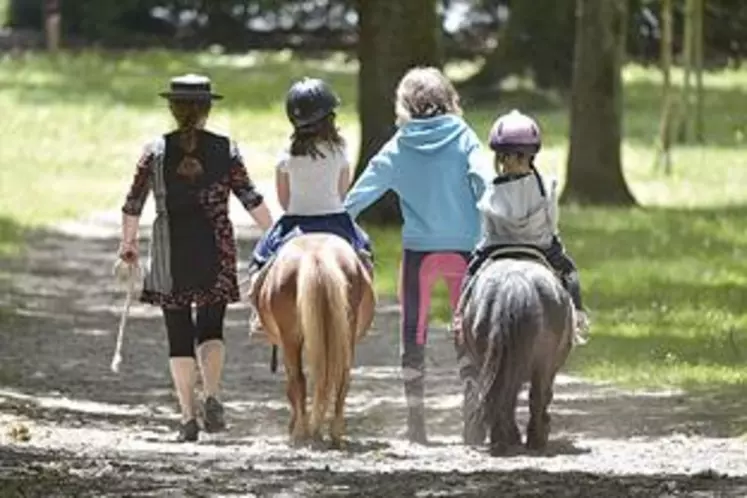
(504, 450)
(316, 442)
(473, 433)
(337, 443)
(536, 444)
(473, 440)
(537, 437)
(299, 440)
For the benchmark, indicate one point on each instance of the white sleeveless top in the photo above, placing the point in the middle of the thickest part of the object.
(516, 212)
(314, 183)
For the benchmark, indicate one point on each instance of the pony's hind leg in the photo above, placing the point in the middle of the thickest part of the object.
(337, 429)
(540, 397)
(474, 428)
(505, 437)
(296, 390)
(318, 412)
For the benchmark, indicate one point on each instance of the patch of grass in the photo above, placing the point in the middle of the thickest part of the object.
(667, 289)
(11, 236)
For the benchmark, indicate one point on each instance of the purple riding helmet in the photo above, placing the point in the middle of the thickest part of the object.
(515, 133)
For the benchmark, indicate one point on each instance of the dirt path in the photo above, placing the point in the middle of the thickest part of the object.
(93, 433)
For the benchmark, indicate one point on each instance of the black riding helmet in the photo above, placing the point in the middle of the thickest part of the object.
(309, 101)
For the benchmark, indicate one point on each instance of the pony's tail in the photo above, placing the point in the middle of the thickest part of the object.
(323, 314)
(509, 350)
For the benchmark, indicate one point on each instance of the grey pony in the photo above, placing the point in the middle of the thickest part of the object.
(517, 327)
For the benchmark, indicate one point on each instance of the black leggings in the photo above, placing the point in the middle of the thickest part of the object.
(184, 331)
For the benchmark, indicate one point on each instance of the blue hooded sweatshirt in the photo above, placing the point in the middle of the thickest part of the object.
(433, 166)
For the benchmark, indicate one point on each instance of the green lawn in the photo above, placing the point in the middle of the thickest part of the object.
(666, 284)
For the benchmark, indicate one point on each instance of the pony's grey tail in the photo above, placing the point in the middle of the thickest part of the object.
(515, 320)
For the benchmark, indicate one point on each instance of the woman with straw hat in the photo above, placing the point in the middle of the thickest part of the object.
(191, 172)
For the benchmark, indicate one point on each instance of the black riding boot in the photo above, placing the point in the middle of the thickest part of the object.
(413, 372)
(573, 286)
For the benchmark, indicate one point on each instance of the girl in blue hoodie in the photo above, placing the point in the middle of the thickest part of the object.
(432, 164)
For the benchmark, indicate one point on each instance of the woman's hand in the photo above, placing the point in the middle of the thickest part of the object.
(128, 247)
(128, 251)
(262, 216)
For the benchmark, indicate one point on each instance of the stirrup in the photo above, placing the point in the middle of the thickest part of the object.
(457, 328)
(366, 256)
(255, 325)
(252, 282)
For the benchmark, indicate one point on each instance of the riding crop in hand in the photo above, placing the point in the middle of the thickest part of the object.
(129, 274)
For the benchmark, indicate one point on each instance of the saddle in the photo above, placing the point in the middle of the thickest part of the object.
(519, 252)
(256, 280)
(527, 253)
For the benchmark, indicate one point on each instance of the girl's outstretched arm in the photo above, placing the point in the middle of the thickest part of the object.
(376, 180)
(480, 170)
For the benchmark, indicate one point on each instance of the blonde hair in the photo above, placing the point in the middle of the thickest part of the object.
(425, 92)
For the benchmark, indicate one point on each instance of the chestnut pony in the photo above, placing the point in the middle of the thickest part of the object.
(316, 298)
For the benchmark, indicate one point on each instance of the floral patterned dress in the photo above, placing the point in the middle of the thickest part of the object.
(192, 249)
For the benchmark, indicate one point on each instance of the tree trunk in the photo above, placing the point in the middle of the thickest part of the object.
(394, 36)
(222, 27)
(538, 38)
(595, 173)
(52, 21)
(685, 131)
(698, 62)
(664, 154)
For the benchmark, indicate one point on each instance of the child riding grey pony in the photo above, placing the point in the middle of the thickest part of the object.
(519, 210)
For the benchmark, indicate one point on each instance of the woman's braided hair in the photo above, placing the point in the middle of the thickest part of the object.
(189, 116)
